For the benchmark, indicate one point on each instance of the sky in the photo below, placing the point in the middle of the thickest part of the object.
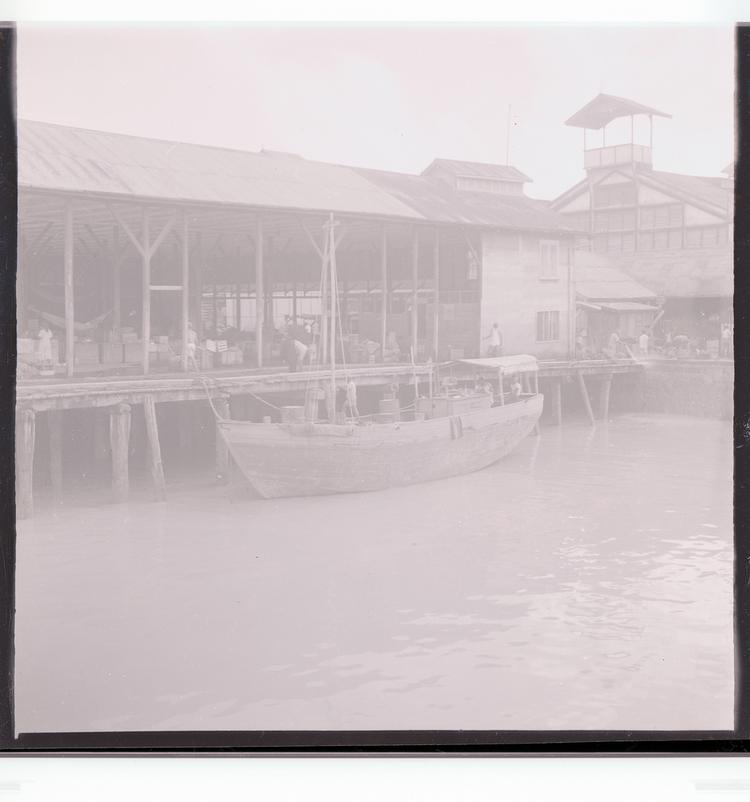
(389, 97)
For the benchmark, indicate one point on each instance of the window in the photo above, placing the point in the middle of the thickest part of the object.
(549, 257)
(547, 326)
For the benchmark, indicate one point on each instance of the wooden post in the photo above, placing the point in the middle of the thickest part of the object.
(185, 290)
(54, 430)
(117, 259)
(25, 438)
(436, 309)
(70, 334)
(259, 298)
(414, 293)
(384, 298)
(198, 285)
(558, 402)
(604, 395)
(221, 403)
(154, 449)
(585, 397)
(146, 291)
(119, 437)
(185, 424)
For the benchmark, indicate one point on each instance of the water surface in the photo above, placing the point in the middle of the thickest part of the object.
(583, 582)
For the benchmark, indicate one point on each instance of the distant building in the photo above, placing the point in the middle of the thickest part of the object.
(608, 300)
(671, 232)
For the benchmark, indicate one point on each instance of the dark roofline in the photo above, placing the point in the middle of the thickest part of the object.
(604, 108)
(520, 177)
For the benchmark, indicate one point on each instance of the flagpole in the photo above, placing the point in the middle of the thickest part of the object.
(507, 139)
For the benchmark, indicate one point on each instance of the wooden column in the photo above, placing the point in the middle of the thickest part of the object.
(119, 437)
(25, 438)
(146, 292)
(185, 241)
(221, 403)
(384, 297)
(558, 401)
(604, 395)
(436, 308)
(414, 288)
(185, 426)
(54, 430)
(198, 285)
(117, 259)
(154, 449)
(70, 335)
(259, 297)
(585, 397)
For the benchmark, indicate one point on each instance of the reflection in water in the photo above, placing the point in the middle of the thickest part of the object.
(583, 582)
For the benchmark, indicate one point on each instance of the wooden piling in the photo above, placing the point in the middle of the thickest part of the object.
(54, 430)
(25, 439)
(154, 449)
(585, 397)
(558, 401)
(221, 403)
(119, 438)
(185, 426)
(605, 388)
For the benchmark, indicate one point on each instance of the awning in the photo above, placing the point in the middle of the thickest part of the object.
(518, 363)
(628, 306)
(586, 305)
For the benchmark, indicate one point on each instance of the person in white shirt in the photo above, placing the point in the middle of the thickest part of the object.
(643, 343)
(351, 398)
(496, 341)
(45, 344)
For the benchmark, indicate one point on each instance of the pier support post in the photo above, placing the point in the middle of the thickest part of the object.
(154, 449)
(25, 439)
(185, 424)
(119, 437)
(558, 402)
(604, 395)
(221, 403)
(585, 397)
(54, 430)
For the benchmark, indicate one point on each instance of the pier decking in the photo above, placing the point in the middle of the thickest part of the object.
(116, 395)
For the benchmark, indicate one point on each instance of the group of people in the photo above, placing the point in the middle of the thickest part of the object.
(298, 342)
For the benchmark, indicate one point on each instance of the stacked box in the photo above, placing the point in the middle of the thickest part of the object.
(132, 352)
(86, 353)
(112, 353)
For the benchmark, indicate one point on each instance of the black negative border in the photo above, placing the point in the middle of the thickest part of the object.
(372, 742)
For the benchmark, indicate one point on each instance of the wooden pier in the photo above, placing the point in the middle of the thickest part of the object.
(114, 399)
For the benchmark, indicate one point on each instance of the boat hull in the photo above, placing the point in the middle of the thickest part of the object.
(305, 459)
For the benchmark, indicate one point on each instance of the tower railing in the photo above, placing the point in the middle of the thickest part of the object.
(612, 155)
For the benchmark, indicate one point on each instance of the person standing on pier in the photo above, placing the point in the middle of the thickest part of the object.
(496, 341)
(643, 343)
(351, 398)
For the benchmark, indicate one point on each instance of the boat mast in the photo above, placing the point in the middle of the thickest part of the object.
(333, 309)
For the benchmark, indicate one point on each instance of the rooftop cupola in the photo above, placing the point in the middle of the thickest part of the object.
(623, 149)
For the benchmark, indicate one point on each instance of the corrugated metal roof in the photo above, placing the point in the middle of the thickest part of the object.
(705, 192)
(61, 158)
(436, 201)
(599, 283)
(515, 363)
(498, 172)
(605, 108)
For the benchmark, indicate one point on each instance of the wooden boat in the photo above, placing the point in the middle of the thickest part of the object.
(450, 434)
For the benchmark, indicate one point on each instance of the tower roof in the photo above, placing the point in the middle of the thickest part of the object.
(605, 108)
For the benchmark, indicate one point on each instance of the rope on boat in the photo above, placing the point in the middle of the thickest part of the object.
(205, 382)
